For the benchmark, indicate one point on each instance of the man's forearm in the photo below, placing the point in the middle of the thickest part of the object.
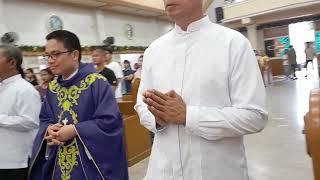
(21, 123)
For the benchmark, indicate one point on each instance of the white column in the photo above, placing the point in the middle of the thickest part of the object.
(100, 26)
(3, 26)
(260, 40)
(253, 35)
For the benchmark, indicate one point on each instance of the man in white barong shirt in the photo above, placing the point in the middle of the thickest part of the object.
(201, 91)
(20, 105)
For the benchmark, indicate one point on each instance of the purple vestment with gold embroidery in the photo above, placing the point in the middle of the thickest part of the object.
(98, 151)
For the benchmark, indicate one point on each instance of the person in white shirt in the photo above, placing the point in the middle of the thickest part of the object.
(19, 115)
(116, 68)
(201, 99)
(310, 55)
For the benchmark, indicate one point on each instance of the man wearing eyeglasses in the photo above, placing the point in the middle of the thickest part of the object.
(81, 129)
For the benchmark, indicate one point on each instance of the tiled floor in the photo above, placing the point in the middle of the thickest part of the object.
(278, 153)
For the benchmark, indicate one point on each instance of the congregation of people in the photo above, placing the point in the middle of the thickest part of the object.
(115, 72)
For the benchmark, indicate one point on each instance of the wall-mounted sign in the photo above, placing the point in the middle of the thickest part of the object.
(277, 47)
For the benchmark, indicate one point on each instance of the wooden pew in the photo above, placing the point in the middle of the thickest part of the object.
(127, 102)
(312, 131)
(134, 91)
(276, 64)
(137, 138)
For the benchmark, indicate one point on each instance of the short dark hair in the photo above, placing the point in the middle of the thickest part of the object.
(13, 53)
(31, 70)
(70, 41)
(126, 61)
(109, 50)
(47, 70)
(100, 49)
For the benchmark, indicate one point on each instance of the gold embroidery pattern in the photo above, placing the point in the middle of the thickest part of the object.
(67, 98)
(67, 159)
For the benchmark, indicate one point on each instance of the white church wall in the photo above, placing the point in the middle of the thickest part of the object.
(28, 18)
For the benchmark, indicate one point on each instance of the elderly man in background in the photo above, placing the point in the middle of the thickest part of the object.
(19, 115)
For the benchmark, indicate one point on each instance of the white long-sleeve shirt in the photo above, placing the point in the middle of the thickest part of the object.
(19, 120)
(215, 71)
(116, 68)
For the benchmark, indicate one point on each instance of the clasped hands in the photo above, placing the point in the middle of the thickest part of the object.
(58, 134)
(168, 108)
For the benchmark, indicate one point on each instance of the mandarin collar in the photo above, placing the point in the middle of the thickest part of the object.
(72, 75)
(194, 26)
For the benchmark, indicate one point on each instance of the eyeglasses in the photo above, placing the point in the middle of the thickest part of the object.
(55, 56)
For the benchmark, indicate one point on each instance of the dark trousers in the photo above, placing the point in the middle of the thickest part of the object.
(293, 70)
(13, 174)
(307, 62)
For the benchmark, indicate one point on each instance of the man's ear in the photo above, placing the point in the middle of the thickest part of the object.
(12, 64)
(75, 55)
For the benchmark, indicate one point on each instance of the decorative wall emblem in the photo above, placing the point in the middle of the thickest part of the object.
(54, 23)
(129, 31)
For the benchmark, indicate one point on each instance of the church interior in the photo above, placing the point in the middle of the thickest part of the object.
(288, 147)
